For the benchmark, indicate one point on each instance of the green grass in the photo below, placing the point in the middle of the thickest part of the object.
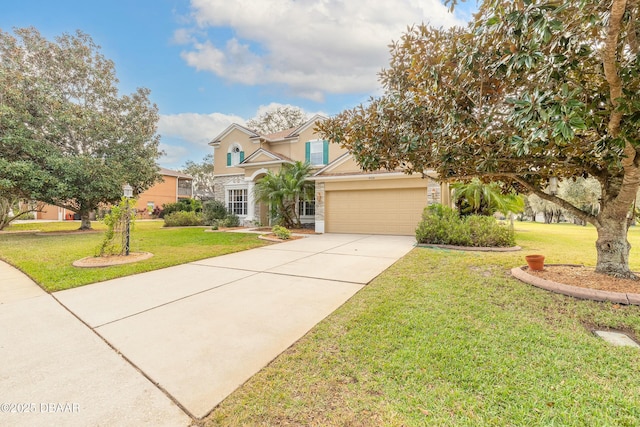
(449, 338)
(47, 257)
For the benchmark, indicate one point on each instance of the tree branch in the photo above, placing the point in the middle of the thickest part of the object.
(558, 201)
(609, 61)
(538, 192)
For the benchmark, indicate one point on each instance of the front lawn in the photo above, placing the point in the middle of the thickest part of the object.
(449, 338)
(48, 257)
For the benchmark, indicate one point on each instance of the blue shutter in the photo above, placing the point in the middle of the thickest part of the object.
(307, 152)
(241, 156)
(325, 152)
(228, 159)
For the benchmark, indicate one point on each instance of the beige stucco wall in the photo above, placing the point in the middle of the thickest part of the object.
(382, 203)
(236, 136)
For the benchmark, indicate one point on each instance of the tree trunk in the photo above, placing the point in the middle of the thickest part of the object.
(85, 221)
(613, 247)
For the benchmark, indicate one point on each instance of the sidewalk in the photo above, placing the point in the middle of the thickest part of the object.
(56, 371)
(197, 331)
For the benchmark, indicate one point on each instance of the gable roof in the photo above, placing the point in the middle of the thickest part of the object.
(276, 158)
(230, 129)
(169, 172)
(333, 165)
(289, 133)
(308, 123)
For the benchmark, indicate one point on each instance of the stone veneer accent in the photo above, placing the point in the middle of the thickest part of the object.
(220, 181)
(319, 201)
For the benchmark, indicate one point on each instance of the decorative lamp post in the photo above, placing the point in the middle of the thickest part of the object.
(128, 193)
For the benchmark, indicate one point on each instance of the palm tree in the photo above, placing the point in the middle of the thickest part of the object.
(476, 197)
(284, 190)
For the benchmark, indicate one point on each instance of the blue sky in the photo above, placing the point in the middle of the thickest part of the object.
(210, 63)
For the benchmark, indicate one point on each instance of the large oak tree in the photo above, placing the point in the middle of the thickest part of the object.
(531, 90)
(67, 137)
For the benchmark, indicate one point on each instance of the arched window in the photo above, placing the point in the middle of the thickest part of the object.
(235, 155)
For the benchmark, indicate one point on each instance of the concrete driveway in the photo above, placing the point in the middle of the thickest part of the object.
(200, 330)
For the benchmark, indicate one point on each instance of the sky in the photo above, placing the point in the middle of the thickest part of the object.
(211, 63)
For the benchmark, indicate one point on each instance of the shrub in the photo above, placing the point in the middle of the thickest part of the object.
(443, 226)
(186, 205)
(281, 232)
(231, 220)
(213, 211)
(182, 219)
(485, 231)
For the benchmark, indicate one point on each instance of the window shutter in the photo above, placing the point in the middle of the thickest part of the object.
(325, 152)
(241, 156)
(307, 152)
(228, 159)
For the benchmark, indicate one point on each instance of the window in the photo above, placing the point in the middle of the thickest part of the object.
(307, 208)
(237, 201)
(185, 187)
(235, 155)
(317, 152)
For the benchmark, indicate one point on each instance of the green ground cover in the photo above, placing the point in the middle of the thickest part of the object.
(448, 338)
(48, 256)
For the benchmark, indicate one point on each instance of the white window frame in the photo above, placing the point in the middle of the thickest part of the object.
(232, 204)
(316, 148)
(305, 205)
(235, 150)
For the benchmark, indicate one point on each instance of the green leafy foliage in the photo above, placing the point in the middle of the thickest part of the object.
(441, 225)
(114, 240)
(213, 211)
(528, 91)
(283, 190)
(66, 135)
(476, 197)
(281, 232)
(184, 205)
(183, 219)
(231, 220)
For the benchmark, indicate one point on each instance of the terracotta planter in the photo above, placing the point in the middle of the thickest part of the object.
(535, 262)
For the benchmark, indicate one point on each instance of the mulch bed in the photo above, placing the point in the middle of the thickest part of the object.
(586, 277)
(109, 260)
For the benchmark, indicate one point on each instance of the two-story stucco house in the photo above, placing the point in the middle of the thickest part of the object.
(347, 200)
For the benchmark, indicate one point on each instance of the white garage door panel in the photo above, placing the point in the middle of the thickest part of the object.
(388, 211)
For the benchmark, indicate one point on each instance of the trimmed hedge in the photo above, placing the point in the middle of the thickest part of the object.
(442, 225)
(182, 219)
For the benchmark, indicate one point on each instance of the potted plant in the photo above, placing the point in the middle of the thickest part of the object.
(535, 262)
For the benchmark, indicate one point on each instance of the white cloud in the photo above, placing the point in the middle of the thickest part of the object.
(195, 128)
(312, 47)
(174, 155)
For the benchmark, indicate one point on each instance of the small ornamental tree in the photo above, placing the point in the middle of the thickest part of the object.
(531, 90)
(115, 238)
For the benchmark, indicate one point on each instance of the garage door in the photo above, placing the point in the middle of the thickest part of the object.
(380, 211)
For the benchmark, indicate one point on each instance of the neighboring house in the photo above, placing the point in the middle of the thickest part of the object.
(347, 200)
(173, 187)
